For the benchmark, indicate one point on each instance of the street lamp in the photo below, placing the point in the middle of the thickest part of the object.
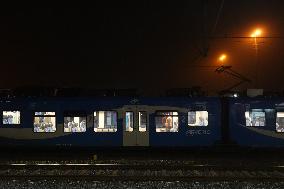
(222, 57)
(255, 34)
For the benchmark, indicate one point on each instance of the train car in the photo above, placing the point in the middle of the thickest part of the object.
(110, 122)
(257, 122)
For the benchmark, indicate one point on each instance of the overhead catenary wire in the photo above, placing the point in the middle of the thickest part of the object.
(218, 16)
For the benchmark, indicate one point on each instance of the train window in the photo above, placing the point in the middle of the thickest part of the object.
(44, 122)
(280, 122)
(74, 124)
(142, 120)
(129, 121)
(197, 118)
(255, 117)
(166, 121)
(11, 117)
(105, 121)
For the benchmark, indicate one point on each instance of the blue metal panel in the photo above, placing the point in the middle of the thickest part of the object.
(255, 136)
(187, 136)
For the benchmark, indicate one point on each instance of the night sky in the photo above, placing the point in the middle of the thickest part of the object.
(149, 45)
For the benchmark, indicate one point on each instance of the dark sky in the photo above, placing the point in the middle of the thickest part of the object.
(150, 45)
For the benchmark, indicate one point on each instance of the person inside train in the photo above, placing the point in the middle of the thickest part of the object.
(10, 119)
(248, 121)
(83, 126)
(168, 123)
(66, 126)
(74, 127)
(202, 121)
(279, 128)
(50, 127)
(42, 126)
(36, 127)
(47, 128)
(258, 121)
(280, 124)
(7, 119)
(175, 127)
(70, 126)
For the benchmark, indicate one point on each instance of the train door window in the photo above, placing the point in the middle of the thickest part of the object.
(74, 124)
(280, 122)
(44, 122)
(142, 120)
(166, 121)
(11, 117)
(129, 121)
(255, 117)
(105, 121)
(197, 118)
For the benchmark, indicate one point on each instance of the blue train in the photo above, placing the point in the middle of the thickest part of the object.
(148, 122)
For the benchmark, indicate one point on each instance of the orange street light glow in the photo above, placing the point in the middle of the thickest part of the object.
(256, 33)
(222, 57)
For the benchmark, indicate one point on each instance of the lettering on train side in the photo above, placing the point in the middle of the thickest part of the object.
(198, 132)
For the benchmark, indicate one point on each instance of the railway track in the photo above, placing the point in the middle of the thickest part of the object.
(159, 171)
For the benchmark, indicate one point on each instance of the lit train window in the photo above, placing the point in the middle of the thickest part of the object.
(75, 124)
(197, 118)
(129, 121)
(44, 122)
(166, 121)
(45, 113)
(142, 120)
(255, 117)
(280, 122)
(11, 117)
(105, 121)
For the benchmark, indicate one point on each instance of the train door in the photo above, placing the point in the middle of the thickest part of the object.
(135, 126)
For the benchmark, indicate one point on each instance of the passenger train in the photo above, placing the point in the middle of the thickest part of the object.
(142, 122)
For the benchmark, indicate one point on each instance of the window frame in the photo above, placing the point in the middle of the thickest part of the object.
(139, 121)
(250, 111)
(93, 126)
(133, 121)
(34, 116)
(73, 114)
(276, 121)
(166, 111)
(17, 124)
(198, 126)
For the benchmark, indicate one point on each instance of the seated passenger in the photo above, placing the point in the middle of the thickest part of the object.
(70, 125)
(279, 128)
(42, 127)
(47, 128)
(257, 122)
(65, 127)
(175, 127)
(52, 127)
(36, 127)
(248, 121)
(202, 121)
(168, 123)
(5, 120)
(10, 119)
(74, 128)
(83, 126)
